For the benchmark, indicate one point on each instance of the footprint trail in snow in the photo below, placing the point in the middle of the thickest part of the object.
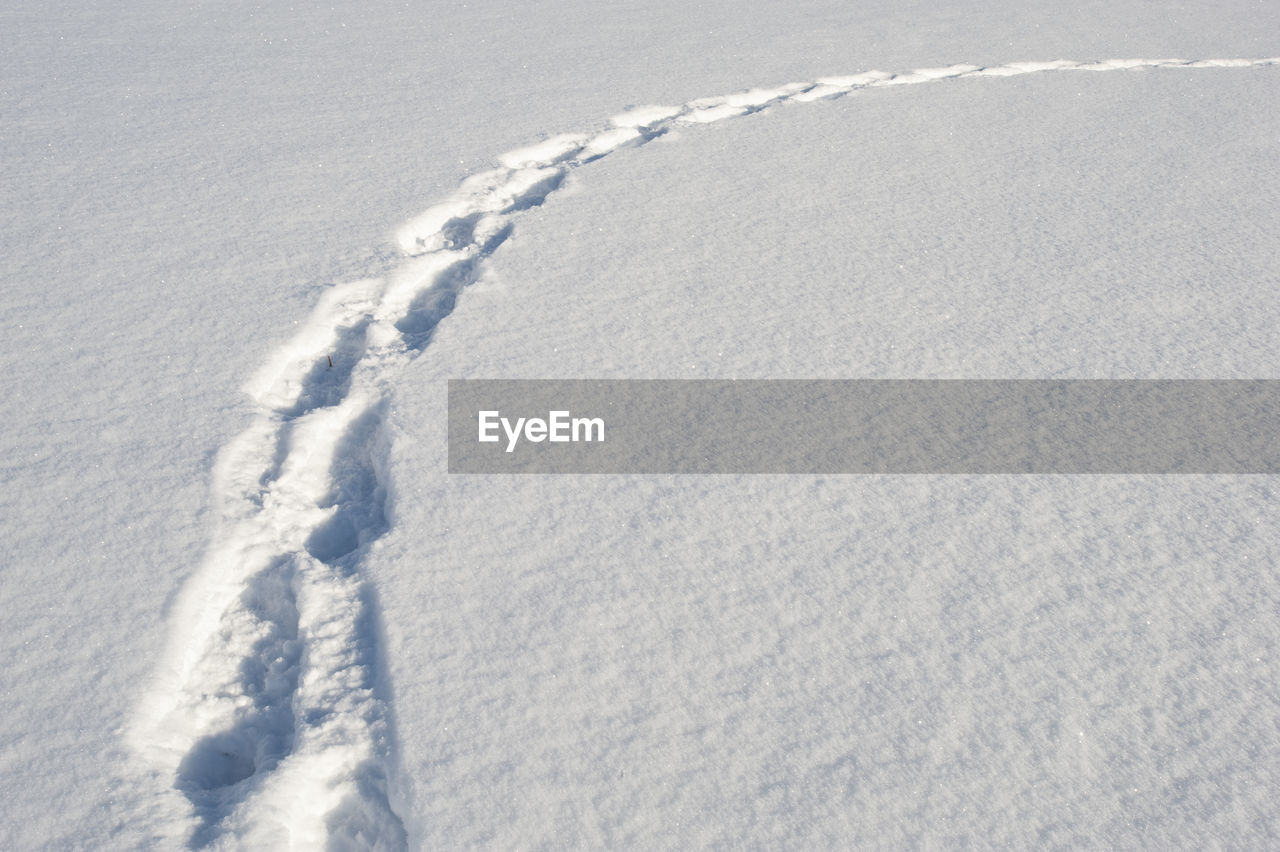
(265, 710)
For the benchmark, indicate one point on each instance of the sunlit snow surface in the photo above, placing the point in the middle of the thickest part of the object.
(894, 661)
(340, 645)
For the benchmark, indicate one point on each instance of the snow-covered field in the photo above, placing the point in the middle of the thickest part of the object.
(244, 605)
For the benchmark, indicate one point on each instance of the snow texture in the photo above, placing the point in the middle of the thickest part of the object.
(337, 646)
(267, 680)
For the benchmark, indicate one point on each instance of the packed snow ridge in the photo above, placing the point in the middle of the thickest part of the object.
(265, 710)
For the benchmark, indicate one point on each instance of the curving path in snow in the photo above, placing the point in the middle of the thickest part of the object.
(265, 709)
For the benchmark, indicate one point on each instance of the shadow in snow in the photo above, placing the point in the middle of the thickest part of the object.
(220, 769)
(328, 385)
(437, 301)
(358, 496)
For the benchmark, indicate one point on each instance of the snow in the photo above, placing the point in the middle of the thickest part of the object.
(815, 661)
(269, 618)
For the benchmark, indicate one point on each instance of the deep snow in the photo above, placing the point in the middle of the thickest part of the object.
(875, 661)
(181, 184)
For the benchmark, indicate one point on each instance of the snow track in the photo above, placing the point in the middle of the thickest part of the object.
(266, 710)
